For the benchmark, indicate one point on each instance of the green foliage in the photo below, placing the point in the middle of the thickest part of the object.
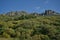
(30, 27)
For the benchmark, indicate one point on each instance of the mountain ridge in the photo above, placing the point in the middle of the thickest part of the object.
(19, 13)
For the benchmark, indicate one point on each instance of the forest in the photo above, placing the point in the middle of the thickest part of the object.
(30, 26)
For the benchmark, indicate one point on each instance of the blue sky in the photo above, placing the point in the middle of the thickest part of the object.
(29, 5)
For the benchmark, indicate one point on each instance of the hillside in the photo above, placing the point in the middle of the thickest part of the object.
(30, 26)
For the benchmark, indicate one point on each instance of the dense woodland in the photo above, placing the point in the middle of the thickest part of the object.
(30, 26)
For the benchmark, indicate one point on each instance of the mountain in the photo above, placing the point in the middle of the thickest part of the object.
(50, 13)
(19, 13)
(21, 25)
(16, 13)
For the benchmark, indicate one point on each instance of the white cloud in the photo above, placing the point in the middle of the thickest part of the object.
(37, 8)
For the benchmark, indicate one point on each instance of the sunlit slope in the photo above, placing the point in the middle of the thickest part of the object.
(31, 28)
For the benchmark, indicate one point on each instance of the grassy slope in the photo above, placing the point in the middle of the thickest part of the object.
(52, 23)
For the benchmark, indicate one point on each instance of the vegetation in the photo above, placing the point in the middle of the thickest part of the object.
(29, 27)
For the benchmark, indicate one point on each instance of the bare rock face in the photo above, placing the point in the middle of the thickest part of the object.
(19, 13)
(49, 12)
